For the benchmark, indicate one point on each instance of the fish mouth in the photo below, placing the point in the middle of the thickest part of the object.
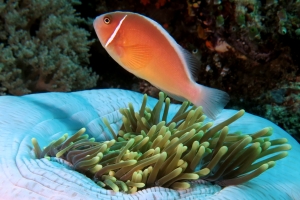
(47, 116)
(97, 26)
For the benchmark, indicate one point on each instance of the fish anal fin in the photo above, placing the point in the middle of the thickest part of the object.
(174, 96)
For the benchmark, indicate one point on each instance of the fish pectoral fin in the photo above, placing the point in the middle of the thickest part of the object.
(136, 56)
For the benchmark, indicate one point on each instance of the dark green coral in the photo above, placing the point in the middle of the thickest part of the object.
(42, 47)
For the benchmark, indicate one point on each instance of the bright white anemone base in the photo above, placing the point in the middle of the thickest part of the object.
(49, 115)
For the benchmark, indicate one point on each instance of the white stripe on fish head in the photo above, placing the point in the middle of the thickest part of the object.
(110, 39)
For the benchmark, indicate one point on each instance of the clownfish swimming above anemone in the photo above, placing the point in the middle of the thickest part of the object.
(145, 49)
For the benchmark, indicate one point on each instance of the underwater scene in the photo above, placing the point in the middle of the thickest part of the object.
(149, 99)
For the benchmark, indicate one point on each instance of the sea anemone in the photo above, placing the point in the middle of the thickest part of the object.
(47, 116)
(150, 150)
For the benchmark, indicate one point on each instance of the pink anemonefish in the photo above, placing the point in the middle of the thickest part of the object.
(145, 49)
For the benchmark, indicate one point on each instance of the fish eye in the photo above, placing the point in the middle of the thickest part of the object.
(107, 20)
(195, 51)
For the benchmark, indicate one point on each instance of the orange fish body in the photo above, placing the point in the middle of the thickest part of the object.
(144, 48)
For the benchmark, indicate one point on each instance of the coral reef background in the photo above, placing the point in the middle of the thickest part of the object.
(248, 48)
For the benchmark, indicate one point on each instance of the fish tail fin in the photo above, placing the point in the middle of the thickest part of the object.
(212, 100)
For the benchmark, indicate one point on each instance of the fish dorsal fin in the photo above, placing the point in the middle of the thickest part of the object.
(137, 56)
(192, 63)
